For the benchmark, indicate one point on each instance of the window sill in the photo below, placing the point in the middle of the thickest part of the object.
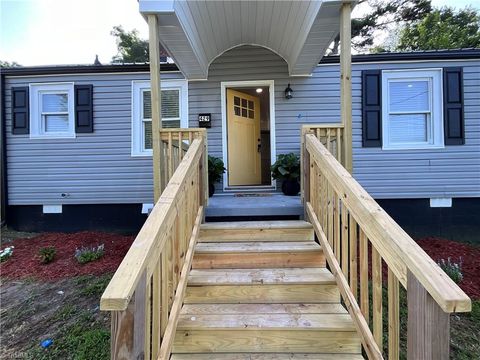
(53, 136)
(142, 155)
(414, 147)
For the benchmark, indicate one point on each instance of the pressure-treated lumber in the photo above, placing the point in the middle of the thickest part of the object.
(145, 251)
(395, 246)
(236, 309)
(271, 356)
(154, 55)
(169, 334)
(368, 342)
(249, 247)
(428, 325)
(260, 276)
(266, 293)
(346, 81)
(290, 230)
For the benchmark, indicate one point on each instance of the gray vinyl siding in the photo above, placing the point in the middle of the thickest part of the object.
(94, 168)
(450, 172)
(98, 168)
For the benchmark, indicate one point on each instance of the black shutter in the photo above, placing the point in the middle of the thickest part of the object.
(20, 113)
(83, 108)
(453, 106)
(372, 108)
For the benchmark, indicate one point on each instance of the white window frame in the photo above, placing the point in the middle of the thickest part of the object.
(37, 130)
(138, 87)
(435, 131)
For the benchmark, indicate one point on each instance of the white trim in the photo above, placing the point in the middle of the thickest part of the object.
(137, 87)
(35, 90)
(403, 62)
(52, 209)
(434, 77)
(237, 84)
(93, 73)
(146, 208)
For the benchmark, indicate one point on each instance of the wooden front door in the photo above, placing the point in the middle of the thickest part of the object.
(243, 125)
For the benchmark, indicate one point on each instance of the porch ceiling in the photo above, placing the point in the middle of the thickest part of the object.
(196, 32)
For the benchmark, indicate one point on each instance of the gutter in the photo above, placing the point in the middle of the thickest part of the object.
(3, 129)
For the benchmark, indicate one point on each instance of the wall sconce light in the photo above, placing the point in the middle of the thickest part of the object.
(288, 92)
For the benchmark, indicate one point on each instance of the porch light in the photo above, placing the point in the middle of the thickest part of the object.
(259, 90)
(288, 92)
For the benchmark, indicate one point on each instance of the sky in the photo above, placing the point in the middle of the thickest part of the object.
(45, 32)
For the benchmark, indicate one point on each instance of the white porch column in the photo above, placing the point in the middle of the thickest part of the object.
(346, 81)
(154, 52)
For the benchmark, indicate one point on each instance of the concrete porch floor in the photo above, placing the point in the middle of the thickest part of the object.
(254, 204)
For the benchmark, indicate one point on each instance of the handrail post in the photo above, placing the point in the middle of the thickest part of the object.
(428, 325)
(305, 178)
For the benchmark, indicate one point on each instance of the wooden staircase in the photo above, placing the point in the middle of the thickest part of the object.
(260, 290)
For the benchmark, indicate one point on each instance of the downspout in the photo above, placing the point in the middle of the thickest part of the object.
(4, 178)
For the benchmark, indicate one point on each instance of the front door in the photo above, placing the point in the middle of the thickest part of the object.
(243, 124)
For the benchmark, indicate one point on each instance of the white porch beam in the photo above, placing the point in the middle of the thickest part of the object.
(346, 81)
(154, 53)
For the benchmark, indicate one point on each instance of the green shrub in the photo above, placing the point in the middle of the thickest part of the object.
(47, 254)
(452, 269)
(87, 254)
(287, 167)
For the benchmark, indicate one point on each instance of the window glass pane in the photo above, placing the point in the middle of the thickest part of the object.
(411, 128)
(237, 110)
(236, 100)
(250, 114)
(147, 105)
(250, 104)
(170, 103)
(56, 123)
(409, 96)
(244, 103)
(147, 126)
(54, 103)
(244, 112)
(171, 123)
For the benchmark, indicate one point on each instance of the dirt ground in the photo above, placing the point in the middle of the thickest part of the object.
(66, 311)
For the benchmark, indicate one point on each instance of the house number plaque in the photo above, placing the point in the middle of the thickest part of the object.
(205, 120)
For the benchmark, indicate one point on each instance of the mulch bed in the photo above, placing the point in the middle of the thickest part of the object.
(438, 249)
(25, 263)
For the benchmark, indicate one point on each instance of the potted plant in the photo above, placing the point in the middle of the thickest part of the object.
(216, 169)
(287, 169)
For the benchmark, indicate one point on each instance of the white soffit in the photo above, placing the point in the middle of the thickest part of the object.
(196, 32)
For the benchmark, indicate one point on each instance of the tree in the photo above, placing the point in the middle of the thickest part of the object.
(5, 64)
(131, 49)
(443, 28)
(381, 15)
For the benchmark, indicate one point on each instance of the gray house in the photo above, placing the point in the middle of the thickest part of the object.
(77, 139)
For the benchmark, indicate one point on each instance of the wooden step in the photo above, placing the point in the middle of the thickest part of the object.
(267, 286)
(289, 230)
(235, 309)
(260, 276)
(259, 254)
(271, 356)
(266, 332)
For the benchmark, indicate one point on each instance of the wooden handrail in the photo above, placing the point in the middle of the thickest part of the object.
(346, 220)
(147, 289)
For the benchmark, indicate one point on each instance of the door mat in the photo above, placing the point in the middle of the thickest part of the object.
(252, 195)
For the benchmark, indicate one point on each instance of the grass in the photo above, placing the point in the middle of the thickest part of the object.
(464, 328)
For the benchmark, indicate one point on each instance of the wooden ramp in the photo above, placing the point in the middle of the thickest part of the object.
(258, 291)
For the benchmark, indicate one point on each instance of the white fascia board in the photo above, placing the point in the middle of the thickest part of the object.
(155, 6)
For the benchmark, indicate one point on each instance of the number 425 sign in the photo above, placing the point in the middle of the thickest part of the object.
(205, 120)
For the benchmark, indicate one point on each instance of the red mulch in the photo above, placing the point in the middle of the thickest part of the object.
(25, 262)
(438, 248)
